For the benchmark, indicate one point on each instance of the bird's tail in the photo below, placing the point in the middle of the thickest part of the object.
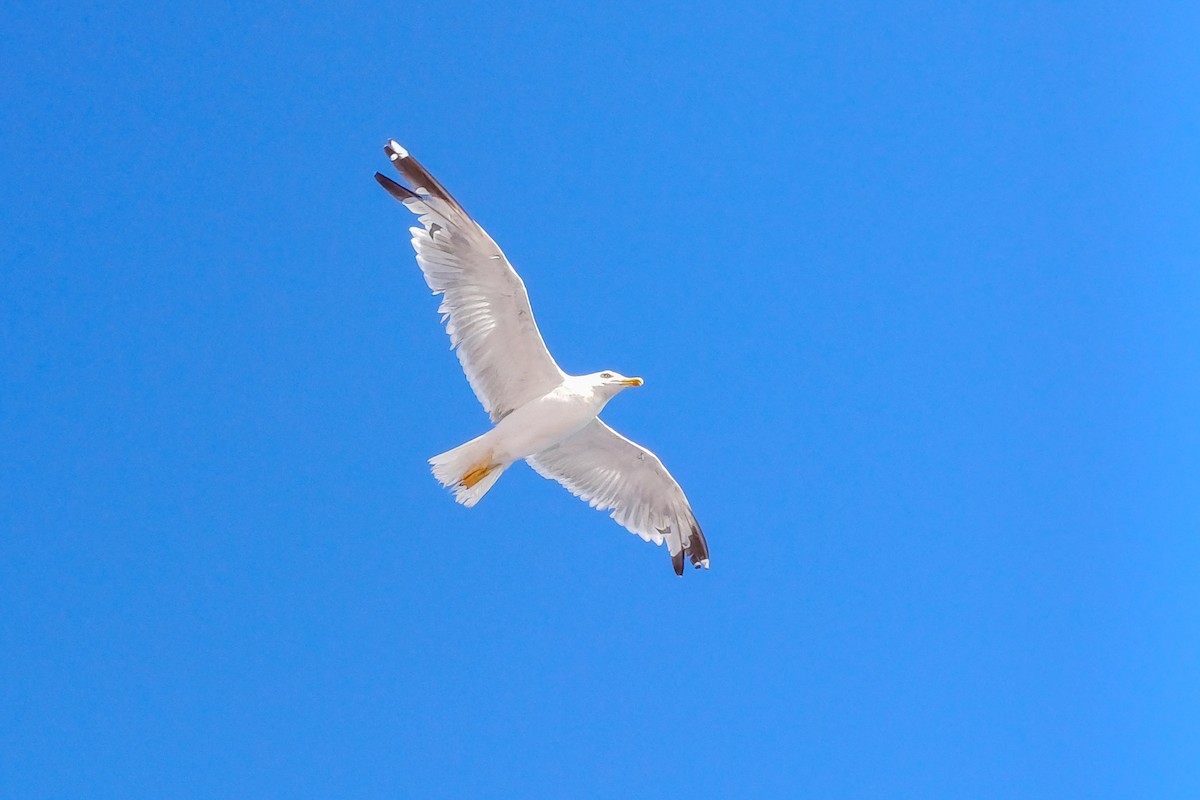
(468, 470)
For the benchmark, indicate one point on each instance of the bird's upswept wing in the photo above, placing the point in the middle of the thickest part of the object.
(602, 467)
(485, 306)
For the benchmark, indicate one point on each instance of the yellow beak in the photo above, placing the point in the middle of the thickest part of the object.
(632, 382)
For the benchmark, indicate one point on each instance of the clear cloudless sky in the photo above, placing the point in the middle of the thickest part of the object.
(915, 289)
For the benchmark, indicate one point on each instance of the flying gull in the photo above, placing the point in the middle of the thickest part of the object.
(541, 414)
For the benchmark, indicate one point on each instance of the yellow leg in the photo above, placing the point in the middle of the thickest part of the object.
(476, 474)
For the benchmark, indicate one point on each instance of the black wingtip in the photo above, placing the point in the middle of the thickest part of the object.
(677, 563)
(394, 189)
(697, 548)
(419, 178)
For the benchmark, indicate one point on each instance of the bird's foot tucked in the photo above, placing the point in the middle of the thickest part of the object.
(476, 474)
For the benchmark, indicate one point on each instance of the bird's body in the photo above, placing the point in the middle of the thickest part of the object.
(549, 419)
(541, 414)
(534, 427)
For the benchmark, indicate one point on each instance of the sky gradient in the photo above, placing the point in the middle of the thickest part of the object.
(915, 294)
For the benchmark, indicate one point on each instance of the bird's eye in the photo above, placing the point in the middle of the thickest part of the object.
(606, 374)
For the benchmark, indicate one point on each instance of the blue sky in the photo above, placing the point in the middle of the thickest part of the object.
(915, 293)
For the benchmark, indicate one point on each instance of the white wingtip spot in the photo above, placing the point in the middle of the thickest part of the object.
(397, 150)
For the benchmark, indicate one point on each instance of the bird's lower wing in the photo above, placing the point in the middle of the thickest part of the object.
(608, 471)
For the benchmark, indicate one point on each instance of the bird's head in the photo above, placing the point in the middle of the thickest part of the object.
(610, 382)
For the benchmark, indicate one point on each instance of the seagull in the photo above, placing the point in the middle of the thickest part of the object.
(539, 412)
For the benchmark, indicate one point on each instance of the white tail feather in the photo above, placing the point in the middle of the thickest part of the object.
(451, 466)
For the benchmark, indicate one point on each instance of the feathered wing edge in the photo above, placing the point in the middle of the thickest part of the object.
(420, 178)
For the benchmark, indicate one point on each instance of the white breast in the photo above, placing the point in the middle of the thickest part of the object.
(544, 422)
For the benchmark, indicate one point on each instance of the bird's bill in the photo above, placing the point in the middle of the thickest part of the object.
(632, 382)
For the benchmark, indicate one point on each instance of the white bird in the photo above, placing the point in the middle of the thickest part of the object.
(541, 414)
